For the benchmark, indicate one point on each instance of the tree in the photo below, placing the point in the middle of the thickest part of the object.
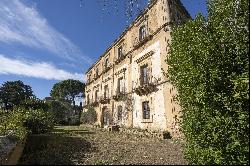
(209, 66)
(58, 110)
(35, 104)
(68, 90)
(13, 93)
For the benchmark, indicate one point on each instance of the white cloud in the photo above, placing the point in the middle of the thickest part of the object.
(22, 24)
(38, 70)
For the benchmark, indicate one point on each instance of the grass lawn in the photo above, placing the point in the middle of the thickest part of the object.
(74, 145)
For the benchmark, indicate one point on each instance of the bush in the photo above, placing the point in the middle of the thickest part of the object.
(20, 122)
(89, 117)
(209, 66)
(38, 121)
(33, 104)
(11, 123)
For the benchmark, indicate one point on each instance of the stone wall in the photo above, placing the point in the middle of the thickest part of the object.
(11, 150)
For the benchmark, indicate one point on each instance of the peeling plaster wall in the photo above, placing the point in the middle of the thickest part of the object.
(158, 17)
(156, 99)
(125, 119)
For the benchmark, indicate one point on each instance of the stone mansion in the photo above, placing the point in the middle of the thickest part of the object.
(127, 86)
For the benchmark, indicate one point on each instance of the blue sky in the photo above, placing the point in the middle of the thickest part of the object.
(45, 41)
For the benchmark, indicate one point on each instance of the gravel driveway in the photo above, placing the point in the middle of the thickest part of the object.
(89, 146)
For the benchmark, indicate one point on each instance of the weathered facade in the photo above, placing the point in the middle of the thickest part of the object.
(126, 85)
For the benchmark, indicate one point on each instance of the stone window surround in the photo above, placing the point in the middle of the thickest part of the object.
(143, 22)
(106, 59)
(97, 71)
(121, 73)
(106, 91)
(120, 84)
(144, 74)
(145, 62)
(96, 95)
(142, 32)
(119, 113)
(150, 120)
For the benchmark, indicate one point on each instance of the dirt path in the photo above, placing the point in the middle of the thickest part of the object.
(89, 146)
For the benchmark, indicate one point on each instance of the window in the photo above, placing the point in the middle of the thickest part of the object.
(89, 77)
(119, 113)
(146, 110)
(106, 116)
(106, 63)
(178, 16)
(88, 99)
(120, 85)
(142, 32)
(106, 91)
(96, 72)
(144, 74)
(120, 54)
(96, 95)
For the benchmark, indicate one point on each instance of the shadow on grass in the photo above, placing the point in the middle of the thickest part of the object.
(55, 149)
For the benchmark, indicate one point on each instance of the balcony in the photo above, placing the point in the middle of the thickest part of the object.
(121, 58)
(97, 76)
(89, 82)
(106, 69)
(145, 87)
(104, 100)
(120, 96)
(140, 42)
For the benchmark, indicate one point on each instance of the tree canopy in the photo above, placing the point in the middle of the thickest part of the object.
(14, 93)
(209, 66)
(68, 90)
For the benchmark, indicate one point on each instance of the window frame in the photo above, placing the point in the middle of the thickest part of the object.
(96, 95)
(106, 62)
(119, 113)
(142, 32)
(119, 85)
(144, 76)
(97, 72)
(106, 91)
(146, 110)
(88, 102)
(120, 51)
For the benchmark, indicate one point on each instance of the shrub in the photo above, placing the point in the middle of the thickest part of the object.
(209, 66)
(38, 121)
(11, 123)
(89, 117)
(19, 122)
